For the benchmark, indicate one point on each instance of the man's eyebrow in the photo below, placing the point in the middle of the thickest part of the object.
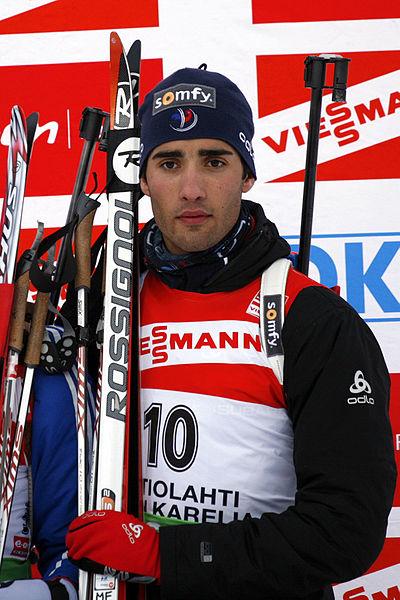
(167, 154)
(215, 152)
(202, 152)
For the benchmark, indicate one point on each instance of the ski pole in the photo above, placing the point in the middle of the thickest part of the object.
(314, 77)
(89, 130)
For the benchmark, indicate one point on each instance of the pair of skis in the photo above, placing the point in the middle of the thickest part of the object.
(116, 426)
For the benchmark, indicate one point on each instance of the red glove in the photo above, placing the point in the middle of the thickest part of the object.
(100, 540)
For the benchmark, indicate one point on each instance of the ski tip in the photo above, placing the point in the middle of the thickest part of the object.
(116, 49)
(32, 122)
(135, 47)
(114, 38)
(33, 119)
(18, 124)
(17, 113)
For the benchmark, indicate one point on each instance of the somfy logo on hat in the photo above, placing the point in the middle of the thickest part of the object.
(184, 94)
(183, 119)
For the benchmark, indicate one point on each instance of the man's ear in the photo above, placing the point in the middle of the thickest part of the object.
(144, 186)
(248, 183)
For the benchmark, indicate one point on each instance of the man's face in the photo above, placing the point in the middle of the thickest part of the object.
(195, 188)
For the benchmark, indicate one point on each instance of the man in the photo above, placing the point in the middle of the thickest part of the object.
(270, 486)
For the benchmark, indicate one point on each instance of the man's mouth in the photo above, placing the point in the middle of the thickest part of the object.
(194, 217)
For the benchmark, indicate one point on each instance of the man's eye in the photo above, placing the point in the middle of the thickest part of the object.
(216, 162)
(169, 165)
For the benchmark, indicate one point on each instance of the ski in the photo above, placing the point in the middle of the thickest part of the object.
(90, 129)
(133, 497)
(83, 236)
(123, 182)
(93, 128)
(98, 250)
(22, 133)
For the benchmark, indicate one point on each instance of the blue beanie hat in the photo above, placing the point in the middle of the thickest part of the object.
(193, 104)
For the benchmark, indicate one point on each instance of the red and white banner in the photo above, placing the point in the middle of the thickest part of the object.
(54, 60)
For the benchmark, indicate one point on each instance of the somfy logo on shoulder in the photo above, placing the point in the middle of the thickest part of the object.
(183, 119)
(272, 324)
(184, 94)
(359, 386)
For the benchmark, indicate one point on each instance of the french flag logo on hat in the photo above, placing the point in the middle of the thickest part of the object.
(183, 119)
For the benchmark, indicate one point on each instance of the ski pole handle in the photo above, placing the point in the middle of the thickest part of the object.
(34, 346)
(83, 236)
(89, 130)
(18, 312)
(315, 74)
(21, 288)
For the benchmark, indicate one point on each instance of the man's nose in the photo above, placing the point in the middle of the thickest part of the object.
(192, 185)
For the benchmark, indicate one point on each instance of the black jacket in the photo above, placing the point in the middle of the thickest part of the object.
(343, 455)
